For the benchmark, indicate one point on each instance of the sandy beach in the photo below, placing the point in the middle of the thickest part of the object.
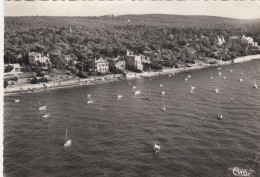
(74, 81)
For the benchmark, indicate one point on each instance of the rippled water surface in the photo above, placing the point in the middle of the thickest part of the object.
(114, 137)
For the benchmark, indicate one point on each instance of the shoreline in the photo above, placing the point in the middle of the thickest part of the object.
(93, 80)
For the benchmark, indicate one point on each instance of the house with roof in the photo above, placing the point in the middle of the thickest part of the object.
(117, 63)
(100, 65)
(134, 61)
(250, 41)
(16, 67)
(36, 58)
(220, 40)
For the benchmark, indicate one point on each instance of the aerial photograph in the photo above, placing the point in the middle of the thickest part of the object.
(131, 89)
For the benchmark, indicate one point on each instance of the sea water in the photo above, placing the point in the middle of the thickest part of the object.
(115, 137)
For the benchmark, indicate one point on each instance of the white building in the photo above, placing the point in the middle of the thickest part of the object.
(35, 58)
(16, 67)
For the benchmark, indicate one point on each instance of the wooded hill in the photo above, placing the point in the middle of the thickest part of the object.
(173, 38)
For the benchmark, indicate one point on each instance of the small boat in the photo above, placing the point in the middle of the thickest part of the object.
(163, 108)
(219, 68)
(163, 93)
(156, 147)
(90, 101)
(211, 77)
(134, 87)
(47, 115)
(67, 141)
(241, 80)
(186, 79)
(232, 98)
(231, 70)
(219, 73)
(89, 95)
(137, 92)
(170, 75)
(188, 75)
(220, 116)
(224, 77)
(118, 95)
(42, 108)
(241, 73)
(216, 90)
(161, 85)
(16, 101)
(192, 88)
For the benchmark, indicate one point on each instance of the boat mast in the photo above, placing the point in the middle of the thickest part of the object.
(163, 101)
(66, 133)
(118, 91)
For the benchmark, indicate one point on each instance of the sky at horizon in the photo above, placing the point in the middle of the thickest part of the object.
(231, 9)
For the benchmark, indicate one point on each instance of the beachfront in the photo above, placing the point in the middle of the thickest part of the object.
(74, 81)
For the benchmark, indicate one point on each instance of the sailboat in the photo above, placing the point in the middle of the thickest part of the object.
(241, 80)
(42, 108)
(156, 147)
(89, 95)
(163, 93)
(67, 142)
(118, 95)
(163, 108)
(192, 88)
(137, 92)
(216, 90)
(47, 115)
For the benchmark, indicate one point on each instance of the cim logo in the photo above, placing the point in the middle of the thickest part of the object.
(241, 172)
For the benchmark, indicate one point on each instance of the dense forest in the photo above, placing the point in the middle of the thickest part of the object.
(170, 39)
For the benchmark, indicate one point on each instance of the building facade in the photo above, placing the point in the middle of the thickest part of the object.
(35, 58)
(101, 65)
(116, 63)
(134, 61)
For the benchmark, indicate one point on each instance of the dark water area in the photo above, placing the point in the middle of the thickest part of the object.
(114, 137)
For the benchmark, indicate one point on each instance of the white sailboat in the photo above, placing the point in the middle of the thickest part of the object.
(47, 115)
(42, 108)
(163, 93)
(67, 142)
(137, 92)
(163, 108)
(241, 80)
(90, 101)
(118, 95)
(156, 147)
(192, 88)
